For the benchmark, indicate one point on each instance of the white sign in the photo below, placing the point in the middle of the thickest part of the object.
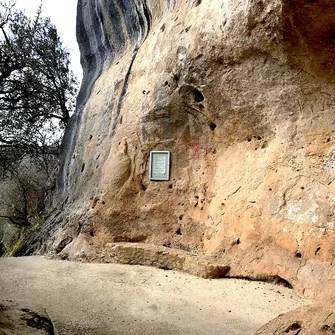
(159, 165)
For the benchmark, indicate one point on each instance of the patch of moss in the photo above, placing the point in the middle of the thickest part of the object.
(36, 226)
(17, 248)
(19, 243)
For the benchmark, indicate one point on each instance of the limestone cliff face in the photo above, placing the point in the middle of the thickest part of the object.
(242, 94)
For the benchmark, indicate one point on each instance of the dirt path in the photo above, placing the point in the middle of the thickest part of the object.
(125, 300)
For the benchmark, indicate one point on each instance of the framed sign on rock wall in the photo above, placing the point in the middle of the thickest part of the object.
(159, 165)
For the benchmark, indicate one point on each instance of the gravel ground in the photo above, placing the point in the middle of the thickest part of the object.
(124, 300)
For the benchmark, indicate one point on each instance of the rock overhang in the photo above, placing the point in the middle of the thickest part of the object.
(241, 95)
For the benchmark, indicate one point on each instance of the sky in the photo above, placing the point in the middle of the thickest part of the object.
(63, 15)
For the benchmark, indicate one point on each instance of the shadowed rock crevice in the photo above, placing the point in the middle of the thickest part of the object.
(309, 31)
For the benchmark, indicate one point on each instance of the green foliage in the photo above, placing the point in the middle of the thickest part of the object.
(37, 88)
(20, 243)
(17, 246)
(37, 97)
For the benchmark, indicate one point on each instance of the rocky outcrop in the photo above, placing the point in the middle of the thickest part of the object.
(8, 237)
(241, 93)
(17, 319)
(148, 255)
(308, 320)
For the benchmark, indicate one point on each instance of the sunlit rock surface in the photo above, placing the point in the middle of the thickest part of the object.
(242, 94)
(307, 320)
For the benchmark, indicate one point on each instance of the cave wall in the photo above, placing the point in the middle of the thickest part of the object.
(241, 93)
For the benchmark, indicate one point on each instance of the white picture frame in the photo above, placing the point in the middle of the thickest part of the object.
(159, 165)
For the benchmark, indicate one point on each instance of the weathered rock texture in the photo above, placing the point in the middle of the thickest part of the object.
(308, 320)
(242, 94)
(18, 319)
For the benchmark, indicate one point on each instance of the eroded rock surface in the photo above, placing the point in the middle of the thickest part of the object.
(308, 320)
(18, 319)
(241, 93)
